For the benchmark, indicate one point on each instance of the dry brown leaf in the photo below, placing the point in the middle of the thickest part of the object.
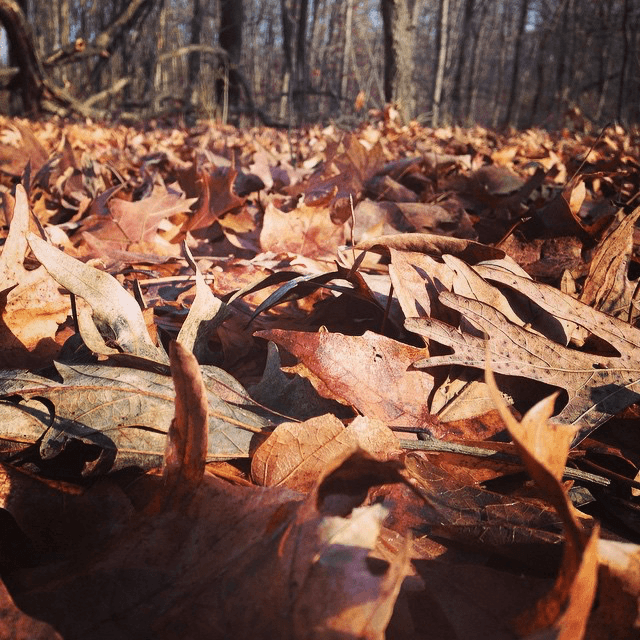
(370, 372)
(206, 314)
(179, 565)
(30, 300)
(19, 147)
(607, 286)
(544, 447)
(139, 221)
(217, 198)
(296, 453)
(114, 310)
(598, 385)
(305, 230)
(17, 625)
(434, 245)
(617, 612)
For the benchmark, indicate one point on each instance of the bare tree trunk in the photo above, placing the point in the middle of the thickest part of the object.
(30, 80)
(550, 28)
(287, 50)
(160, 75)
(230, 38)
(398, 20)
(501, 16)
(561, 56)
(301, 75)
(477, 46)
(515, 71)
(605, 59)
(194, 57)
(441, 47)
(624, 61)
(346, 53)
(463, 54)
(65, 27)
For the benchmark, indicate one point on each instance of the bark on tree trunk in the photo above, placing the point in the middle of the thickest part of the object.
(230, 37)
(443, 36)
(477, 46)
(287, 50)
(30, 80)
(194, 56)
(541, 62)
(398, 20)
(463, 53)
(346, 53)
(301, 84)
(515, 72)
(502, 19)
(625, 59)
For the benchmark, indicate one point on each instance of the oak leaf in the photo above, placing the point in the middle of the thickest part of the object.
(598, 386)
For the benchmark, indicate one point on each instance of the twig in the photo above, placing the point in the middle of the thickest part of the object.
(441, 446)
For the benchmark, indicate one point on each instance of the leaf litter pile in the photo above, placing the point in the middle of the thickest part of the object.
(319, 384)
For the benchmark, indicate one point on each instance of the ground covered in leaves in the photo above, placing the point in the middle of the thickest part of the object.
(319, 384)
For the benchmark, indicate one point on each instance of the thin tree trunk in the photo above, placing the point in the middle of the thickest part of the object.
(230, 38)
(541, 62)
(194, 57)
(463, 53)
(624, 62)
(605, 59)
(441, 47)
(515, 71)
(160, 75)
(65, 28)
(301, 75)
(477, 46)
(561, 55)
(346, 53)
(287, 50)
(503, 25)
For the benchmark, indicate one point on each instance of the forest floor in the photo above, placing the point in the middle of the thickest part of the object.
(319, 383)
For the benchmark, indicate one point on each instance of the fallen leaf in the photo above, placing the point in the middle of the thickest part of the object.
(169, 568)
(544, 448)
(296, 453)
(305, 230)
(607, 286)
(114, 310)
(32, 307)
(217, 198)
(370, 372)
(598, 385)
(125, 413)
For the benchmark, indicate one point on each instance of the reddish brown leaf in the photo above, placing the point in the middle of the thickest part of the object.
(305, 230)
(544, 448)
(370, 372)
(217, 198)
(296, 453)
(183, 571)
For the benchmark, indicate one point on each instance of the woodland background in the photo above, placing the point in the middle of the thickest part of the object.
(493, 62)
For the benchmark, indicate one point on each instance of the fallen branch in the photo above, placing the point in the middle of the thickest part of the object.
(106, 93)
